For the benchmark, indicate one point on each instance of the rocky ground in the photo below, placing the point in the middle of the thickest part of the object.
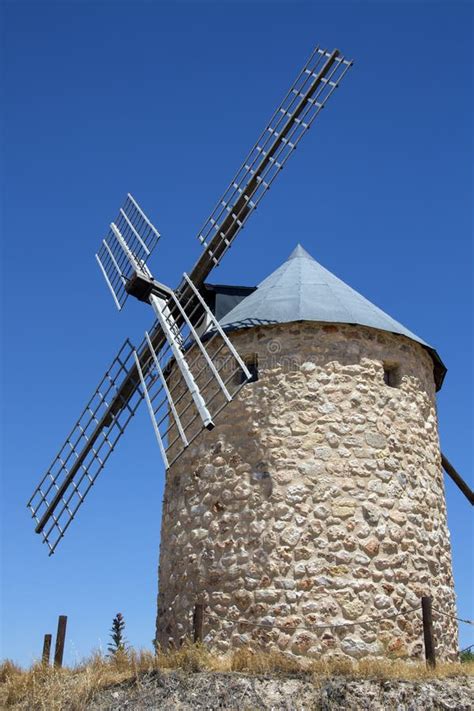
(204, 691)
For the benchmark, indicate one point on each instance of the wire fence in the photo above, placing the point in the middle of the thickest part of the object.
(453, 617)
(334, 625)
(312, 628)
(426, 609)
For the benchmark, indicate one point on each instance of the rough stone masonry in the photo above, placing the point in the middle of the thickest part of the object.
(318, 499)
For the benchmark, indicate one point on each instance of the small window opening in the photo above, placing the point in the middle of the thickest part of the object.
(252, 364)
(391, 375)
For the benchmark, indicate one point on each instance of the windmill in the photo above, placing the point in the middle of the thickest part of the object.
(186, 368)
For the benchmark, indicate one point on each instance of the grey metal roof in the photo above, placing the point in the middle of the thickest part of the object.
(302, 290)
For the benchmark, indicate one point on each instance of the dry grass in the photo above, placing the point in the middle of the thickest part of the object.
(49, 689)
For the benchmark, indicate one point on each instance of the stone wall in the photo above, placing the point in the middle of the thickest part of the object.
(318, 498)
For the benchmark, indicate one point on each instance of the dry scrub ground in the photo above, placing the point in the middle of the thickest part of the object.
(193, 678)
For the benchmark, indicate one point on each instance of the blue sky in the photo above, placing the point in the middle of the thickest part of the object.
(163, 100)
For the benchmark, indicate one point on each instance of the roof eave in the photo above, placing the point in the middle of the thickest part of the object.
(439, 369)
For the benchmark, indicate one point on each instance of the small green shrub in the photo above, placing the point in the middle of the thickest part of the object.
(118, 646)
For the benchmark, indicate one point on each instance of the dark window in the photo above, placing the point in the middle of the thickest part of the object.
(252, 364)
(223, 298)
(391, 375)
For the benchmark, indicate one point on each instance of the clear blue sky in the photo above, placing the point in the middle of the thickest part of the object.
(163, 100)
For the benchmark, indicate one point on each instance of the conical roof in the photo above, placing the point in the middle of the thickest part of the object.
(303, 290)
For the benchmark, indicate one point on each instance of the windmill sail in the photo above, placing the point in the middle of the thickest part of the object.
(82, 457)
(316, 82)
(186, 380)
(186, 369)
(194, 376)
(126, 249)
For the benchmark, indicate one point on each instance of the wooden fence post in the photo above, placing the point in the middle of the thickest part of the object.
(198, 618)
(60, 639)
(46, 650)
(428, 632)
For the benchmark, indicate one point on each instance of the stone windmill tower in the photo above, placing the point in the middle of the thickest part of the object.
(319, 497)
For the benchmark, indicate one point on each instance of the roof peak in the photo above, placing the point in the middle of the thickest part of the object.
(299, 251)
(301, 289)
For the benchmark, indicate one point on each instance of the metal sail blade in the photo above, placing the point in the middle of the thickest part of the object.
(175, 341)
(126, 249)
(309, 93)
(82, 457)
(149, 405)
(194, 375)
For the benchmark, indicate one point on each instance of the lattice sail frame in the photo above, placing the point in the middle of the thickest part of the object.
(193, 377)
(82, 457)
(315, 84)
(126, 249)
(216, 374)
(152, 372)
